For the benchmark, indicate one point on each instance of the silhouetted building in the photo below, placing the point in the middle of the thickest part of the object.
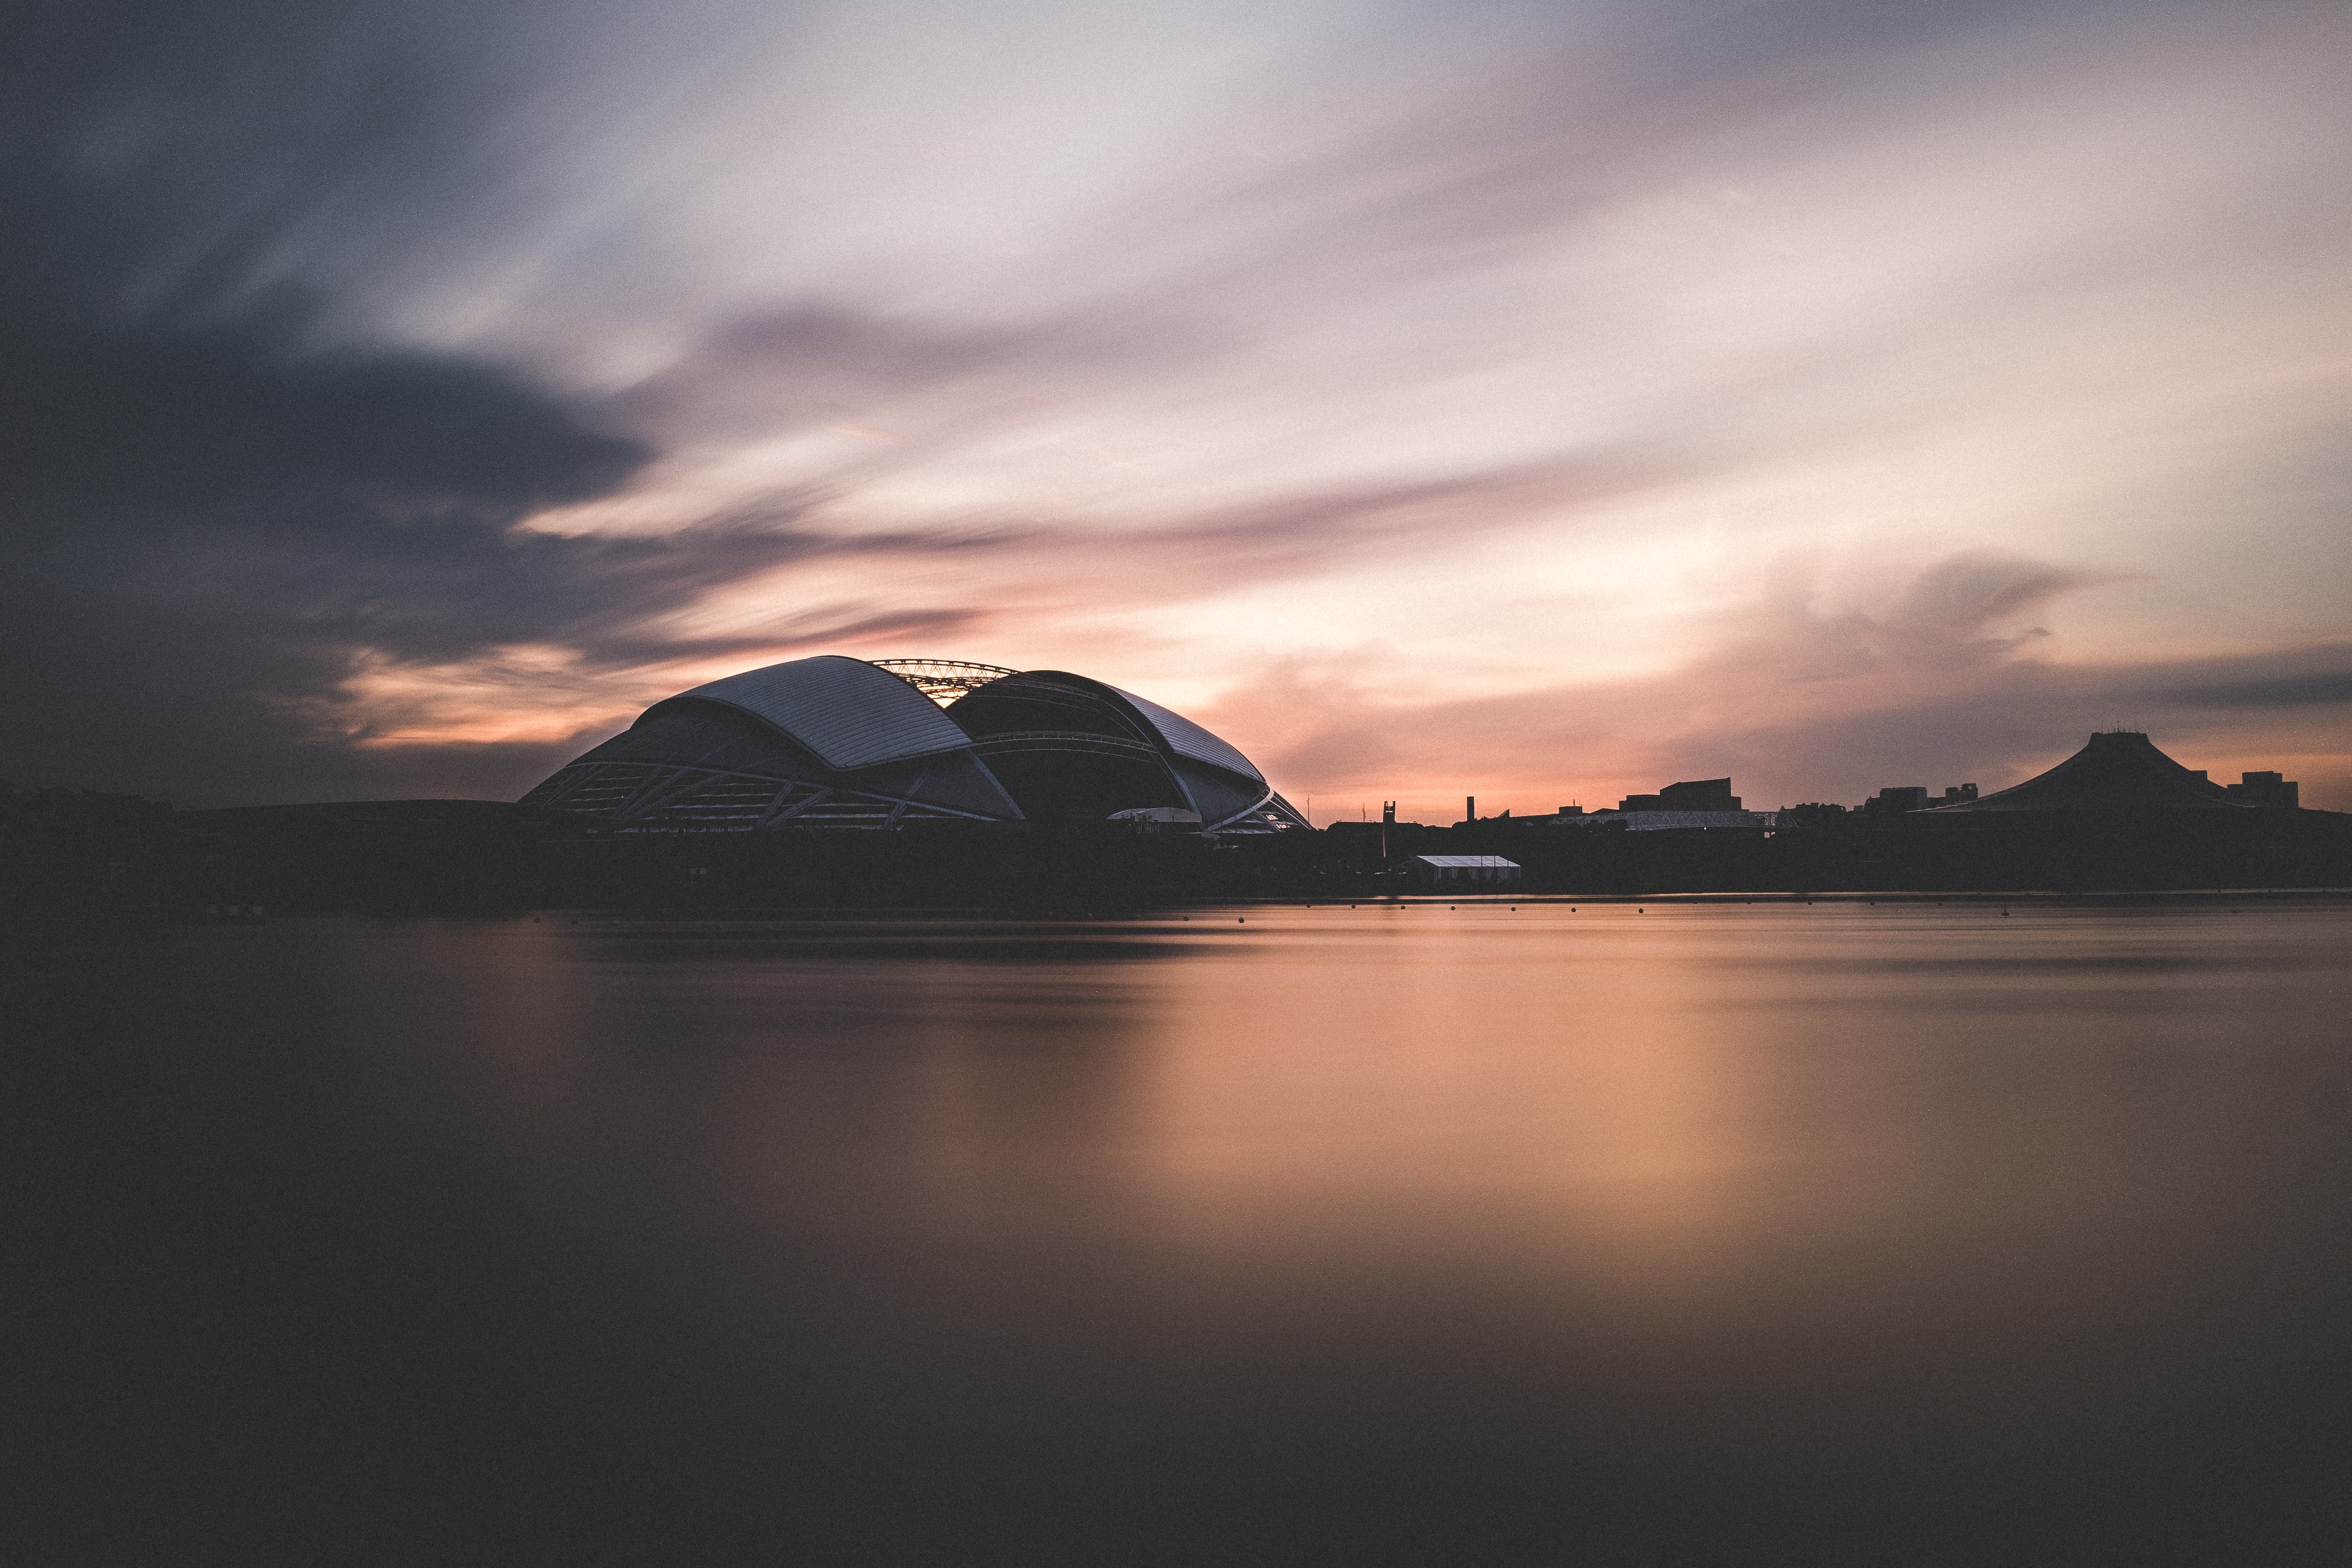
(2118, 769)
(1693, 794)
(1463, 868)
(1897, 797)
(1648, 821)
(1915, 797)
(2267, 789)
(842, 743)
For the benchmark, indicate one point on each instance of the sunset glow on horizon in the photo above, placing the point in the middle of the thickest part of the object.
(1535, 402)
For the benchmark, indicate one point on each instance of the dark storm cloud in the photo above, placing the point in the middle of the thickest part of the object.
(194, 419)
(205, 534)
(177, 161)
(210, 515)
(2313, 688)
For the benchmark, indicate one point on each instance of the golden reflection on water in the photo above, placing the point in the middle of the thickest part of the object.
(1687, 1232)
(1700, 1106)
(1556, 1083)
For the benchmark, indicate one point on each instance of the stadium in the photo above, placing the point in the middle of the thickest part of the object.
(833, 743)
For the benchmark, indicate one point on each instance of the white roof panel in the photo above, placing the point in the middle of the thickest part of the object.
(849, 713)
(1468, 862)
(1187, 739)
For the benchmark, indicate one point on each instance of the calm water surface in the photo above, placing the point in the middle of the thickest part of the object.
(1684, 1232)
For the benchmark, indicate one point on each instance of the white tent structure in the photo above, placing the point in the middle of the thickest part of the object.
(1463, 868)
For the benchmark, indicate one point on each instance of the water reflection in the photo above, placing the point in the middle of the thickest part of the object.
(1724, 1231)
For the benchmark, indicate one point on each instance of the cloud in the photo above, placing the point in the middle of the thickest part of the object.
(1822, 392)
(214, 514)
(2327, 686)
(1794, 702)
(779, 369)
(206, 535)
(230, 522)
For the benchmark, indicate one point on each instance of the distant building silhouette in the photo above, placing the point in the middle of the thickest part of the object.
(1898, 797)
(1915, 797)
(2121, 770)
(1692, 795)
(1692, 803)
(2267, 789)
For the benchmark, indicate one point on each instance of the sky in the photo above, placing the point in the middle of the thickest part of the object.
(1542, 402)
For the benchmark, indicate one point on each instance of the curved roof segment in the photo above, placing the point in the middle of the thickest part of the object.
(1187, 739)
(2120, 769)
(852, 714)
(839, 741)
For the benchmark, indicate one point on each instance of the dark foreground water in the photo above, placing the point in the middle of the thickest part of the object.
(1711, 1233)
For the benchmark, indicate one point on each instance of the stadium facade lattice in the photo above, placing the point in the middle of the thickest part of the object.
(838, 742)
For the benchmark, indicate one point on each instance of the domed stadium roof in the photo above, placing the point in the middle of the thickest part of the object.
(833, 742)
(2120, 769)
